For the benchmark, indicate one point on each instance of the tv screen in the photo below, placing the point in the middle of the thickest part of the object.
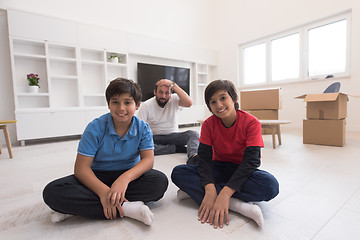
(149, 74)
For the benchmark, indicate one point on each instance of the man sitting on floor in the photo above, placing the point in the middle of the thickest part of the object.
(161, 112)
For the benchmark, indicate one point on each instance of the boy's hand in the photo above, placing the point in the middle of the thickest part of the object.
(220, 211)
(207, 203)
(116, 194)
(109, 209)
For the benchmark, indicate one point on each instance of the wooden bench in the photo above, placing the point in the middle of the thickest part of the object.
(3, 126)
(274, 125)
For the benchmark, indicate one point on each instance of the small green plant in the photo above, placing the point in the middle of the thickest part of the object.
(114, 58)
(33, 79)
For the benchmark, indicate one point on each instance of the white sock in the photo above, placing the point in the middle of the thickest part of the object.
(59, 217)
(249, 210)
(182, 195)
(139, 211)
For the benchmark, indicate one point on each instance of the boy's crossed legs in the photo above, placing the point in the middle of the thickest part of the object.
(68, 197)
(261, 186)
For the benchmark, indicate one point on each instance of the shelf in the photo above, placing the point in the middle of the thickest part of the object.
(33, 101)
(115, 71)
(72, 85)
(202, 79)
(93, 79)
(92, 55)
(65, 93)
(63, 68)
(65, 77)
(116, 64)
(62, 52)
(202, 68)
(24, 47)
(122, 57)
(92, 62)
(30, 57)
(202, 73)
(24, 66)
(94, 101)
(33, 94)
(48, 110)
(62, 59)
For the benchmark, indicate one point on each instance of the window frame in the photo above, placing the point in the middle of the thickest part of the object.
(302, 30)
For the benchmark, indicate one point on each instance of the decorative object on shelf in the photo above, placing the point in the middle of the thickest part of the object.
(33, 82)
(114, 59)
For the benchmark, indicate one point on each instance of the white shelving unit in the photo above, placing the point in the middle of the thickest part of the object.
(72, 85)
(204, 74)
(71, 60)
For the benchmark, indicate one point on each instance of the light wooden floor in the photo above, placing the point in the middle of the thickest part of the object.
(319, 197)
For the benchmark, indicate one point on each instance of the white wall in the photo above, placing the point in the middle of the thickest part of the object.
(211, 24)
(240, 21)
(179, 22)
(184, 21)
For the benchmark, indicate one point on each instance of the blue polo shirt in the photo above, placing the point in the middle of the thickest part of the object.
(110, 152)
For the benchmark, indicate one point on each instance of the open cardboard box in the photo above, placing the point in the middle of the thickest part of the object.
(325, 123)
(325, 105)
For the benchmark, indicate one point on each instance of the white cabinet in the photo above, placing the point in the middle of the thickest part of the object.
(97, 70)
(63, 77)
(72, 86)
(204, 75)
(71, 60)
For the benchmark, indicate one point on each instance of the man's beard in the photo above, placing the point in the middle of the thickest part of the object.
(161, 104)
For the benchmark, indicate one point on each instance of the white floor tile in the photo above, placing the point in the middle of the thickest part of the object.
(319, 197)
(344, 225)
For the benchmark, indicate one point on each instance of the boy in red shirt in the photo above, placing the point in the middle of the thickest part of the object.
(227, 175)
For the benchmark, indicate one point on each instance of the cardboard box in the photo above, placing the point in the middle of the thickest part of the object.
(260, 99)
(326, 105)
(324, 132)
(267, 114)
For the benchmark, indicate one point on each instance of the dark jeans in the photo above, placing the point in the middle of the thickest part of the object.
(166, 144)
(260, 186)
(68, 195)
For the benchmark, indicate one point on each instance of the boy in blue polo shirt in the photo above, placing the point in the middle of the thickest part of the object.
(113, 169)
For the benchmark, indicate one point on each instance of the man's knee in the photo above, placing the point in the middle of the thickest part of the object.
(193, 134)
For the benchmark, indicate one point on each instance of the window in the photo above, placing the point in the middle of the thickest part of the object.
(255, 64)
(285, 55)
(311, 51)
(327, 49)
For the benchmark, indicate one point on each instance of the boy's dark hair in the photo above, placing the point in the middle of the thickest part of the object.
(122, 85)
(217, 85)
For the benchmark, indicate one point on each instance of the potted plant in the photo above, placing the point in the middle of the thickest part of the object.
(33, 80)
(114, 59)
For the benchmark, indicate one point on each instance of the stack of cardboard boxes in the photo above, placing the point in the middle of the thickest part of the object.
(263, 104)
(325, 119)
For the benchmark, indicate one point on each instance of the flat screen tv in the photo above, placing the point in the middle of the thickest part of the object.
(149, 74)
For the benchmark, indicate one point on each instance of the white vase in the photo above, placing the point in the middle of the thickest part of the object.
(33, 89)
